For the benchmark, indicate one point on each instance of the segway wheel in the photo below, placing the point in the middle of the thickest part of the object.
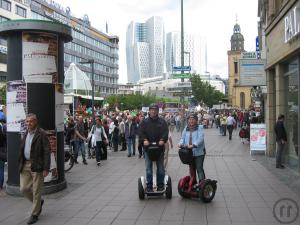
(182, 189)
(141, 189)
(169, 188)
(208, 191)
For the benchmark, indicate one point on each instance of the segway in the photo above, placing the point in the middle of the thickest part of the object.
(188, 187)
(154, 152)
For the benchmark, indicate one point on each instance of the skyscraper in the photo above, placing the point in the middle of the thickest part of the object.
(194, 47)
(145, 49)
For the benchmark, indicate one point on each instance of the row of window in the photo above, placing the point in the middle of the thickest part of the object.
(97, 66)
(93, 42)
(90, 52)
(105, 79)
(4, 4)
(2, 19)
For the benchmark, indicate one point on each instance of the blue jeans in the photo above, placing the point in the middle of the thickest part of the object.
(79, 146)
(160, 172)
(198, 164)
(131, 142)
(2, 163)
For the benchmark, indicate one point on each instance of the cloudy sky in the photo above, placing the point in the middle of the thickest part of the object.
(212, 19)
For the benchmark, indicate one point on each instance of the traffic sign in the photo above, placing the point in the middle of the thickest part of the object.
(181, 75)
(182, 68)
(176, 94)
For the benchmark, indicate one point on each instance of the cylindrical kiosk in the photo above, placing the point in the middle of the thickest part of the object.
(35, 77)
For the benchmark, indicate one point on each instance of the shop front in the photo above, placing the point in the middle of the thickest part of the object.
(283, 61)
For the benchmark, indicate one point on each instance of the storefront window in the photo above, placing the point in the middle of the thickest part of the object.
(292, 123)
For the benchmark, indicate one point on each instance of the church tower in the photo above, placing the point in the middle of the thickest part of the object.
(237, 39)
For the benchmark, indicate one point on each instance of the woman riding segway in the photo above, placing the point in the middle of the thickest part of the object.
(192, 152)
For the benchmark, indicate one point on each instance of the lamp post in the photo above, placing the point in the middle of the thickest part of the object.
(91, 62)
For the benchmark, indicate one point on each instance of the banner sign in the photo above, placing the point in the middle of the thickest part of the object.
(182, 75)
(252, 72)
(258, 136)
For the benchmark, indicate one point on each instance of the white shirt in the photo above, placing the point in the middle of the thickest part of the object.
(230, 120)
(28, 142)
(97, 133)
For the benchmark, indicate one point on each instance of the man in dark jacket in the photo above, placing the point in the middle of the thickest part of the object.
(281, 140)
(34, 165)
(130, 135)
(154, 129)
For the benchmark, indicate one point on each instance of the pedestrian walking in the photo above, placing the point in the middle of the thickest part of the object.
(281, 139)
(230, 123)
(115, 136)
(140, 142)
(168, 146)
(80, 139)
(3, 152)
(34, 165)
(122, 133)
(130, 135)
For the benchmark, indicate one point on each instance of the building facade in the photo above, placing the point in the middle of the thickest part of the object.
(10, 10)
(280, 21)
(238, 96)
(88, 43)
(145, 49)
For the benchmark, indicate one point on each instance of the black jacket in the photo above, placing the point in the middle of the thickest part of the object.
(280, 131)
(3, 147)
(39, 152)
(153, 130)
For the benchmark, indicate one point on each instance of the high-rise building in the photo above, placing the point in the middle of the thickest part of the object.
(9, 10)
(195, 52)
(145, 49)
(88, 43)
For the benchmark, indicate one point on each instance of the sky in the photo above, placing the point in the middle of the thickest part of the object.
(211, 19)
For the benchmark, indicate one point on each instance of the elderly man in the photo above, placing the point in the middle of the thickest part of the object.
(34, 165)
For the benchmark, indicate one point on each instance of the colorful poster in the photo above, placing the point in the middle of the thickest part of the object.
(40, 57)
(53, 148)
(16, 98)
(59, 107)
(258, 136)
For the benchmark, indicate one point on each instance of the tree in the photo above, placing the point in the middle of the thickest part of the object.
(3, 95)
(203, 92)
(133, 101)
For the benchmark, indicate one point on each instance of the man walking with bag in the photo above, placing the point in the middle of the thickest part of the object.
(34, 165)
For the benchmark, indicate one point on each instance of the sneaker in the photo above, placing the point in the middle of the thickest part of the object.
(98, 163)
(160, 187)
(84, 162)
(140, 156)
(129, 155)
(149, 189)
(33, 219)
(42, 203)
(75, 161)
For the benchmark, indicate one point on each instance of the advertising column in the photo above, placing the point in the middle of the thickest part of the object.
(35, 68)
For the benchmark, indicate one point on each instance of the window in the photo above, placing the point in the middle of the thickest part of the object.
(235, 67)
(4, 4)
(2, 19)
(20, 11)
(242, 100)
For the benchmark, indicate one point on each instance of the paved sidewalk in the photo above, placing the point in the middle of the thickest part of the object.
(246, 193)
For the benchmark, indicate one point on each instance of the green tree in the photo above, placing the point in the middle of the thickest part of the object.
(203, 92)
(3, 95)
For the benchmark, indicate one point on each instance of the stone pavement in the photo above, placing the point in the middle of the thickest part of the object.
(246, 194)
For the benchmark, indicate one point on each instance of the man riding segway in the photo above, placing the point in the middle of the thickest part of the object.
(154, 133)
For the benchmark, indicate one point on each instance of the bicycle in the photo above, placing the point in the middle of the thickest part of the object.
(69, 158)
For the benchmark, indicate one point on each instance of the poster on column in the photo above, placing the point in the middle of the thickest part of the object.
(53, 150)
(258, 137)
(39, 56)
(59, 107)
(16, 106)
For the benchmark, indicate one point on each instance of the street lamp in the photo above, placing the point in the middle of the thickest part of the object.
(91, 62)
